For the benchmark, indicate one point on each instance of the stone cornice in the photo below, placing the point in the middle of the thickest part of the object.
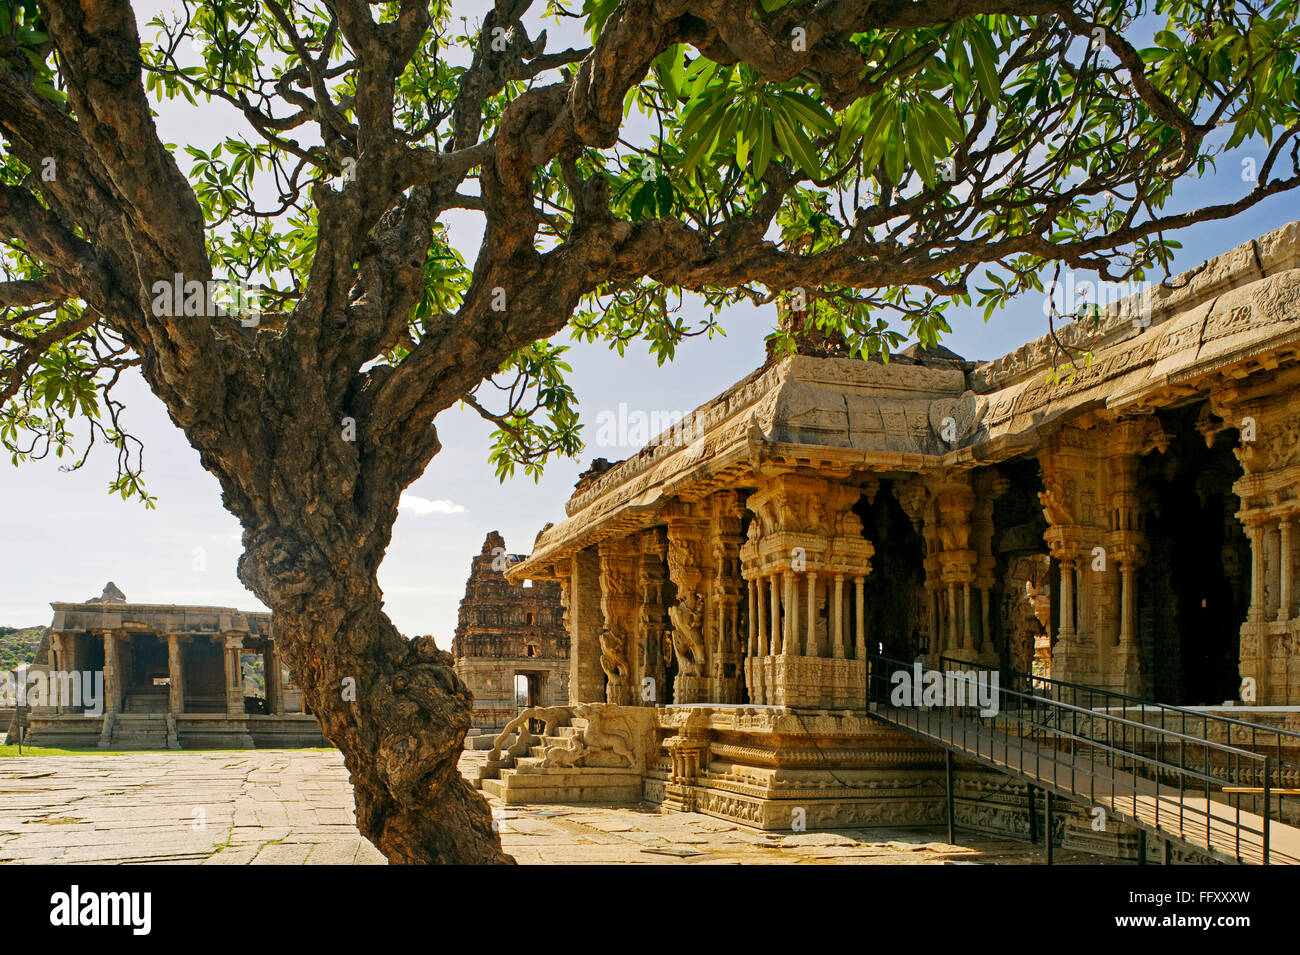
(1233, 316)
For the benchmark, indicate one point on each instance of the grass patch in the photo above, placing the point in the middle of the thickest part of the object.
(12, 750)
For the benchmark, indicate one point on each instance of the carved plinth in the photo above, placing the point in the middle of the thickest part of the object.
(728, 689)
(1128, 670)
(690, 689)
(812, 682)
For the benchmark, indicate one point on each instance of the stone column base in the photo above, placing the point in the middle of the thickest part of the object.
(814, 682)
(690, 689)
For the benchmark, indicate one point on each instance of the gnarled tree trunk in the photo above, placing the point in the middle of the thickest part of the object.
(394, 707)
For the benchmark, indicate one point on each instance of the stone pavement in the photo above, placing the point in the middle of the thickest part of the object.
(558, 834)
(269, 807)
(260, 807)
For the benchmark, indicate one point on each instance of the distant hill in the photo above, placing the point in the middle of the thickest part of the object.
(18, 645)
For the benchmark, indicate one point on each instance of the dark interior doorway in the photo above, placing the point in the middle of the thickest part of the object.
(149, 669)
(1193, 590)
(894, 593)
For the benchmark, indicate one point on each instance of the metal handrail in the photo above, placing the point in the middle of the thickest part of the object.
(1162, 708)
(1116, 750)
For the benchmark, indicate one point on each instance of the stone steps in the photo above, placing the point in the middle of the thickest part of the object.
(565, 786)
(139, 731)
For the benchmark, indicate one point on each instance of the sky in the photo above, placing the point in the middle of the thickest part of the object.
(62, 536)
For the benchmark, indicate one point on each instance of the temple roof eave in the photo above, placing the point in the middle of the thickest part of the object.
(1228, 319)
(162, 618)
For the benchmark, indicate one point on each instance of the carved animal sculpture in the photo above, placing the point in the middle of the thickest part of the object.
(688, 640)
(606, 741)
(607, 731)
(613, 657)
(551, 717)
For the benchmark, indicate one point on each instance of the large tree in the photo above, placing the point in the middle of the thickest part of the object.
(870, 162)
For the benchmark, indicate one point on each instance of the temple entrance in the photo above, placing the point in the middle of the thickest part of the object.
(203, 676)
(1195, 585)
(529, 690)
(89, 651)
(145, 673)
(894, 591)
(148, 664)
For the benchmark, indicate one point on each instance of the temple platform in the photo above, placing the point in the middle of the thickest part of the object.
(187, 731)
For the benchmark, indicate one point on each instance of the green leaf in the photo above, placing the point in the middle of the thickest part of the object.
(702, 145)
(794, 142)
(670, 69)
(985, 57)
(763, 150)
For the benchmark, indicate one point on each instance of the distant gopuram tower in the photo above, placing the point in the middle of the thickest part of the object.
(511, 647)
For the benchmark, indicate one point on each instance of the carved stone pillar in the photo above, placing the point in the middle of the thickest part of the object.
(175, 676)
(1076, 523)
(618, 605)
(274, 683)
(837, 619)
(804, 534)
(811, 646)
(1269, 491)
(1075, 654)
(1255, 531)
(1286, 557)
(860, 628)
(1067, 597)
(653, 620)
(1126, 673)
(953, 645)
(728, 650)
(757, 623)
(790, 636)
(234, 647)
(692, 626)
(751, 647)
(586, 678)
(1255, 638)
(57, 665)
(989, 486)
(112, 691)
(775, 603)
(951, 511)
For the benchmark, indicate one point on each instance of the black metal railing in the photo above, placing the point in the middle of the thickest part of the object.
(1152, 775)
(1282, 745)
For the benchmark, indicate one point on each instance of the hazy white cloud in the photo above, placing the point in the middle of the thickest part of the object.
(414, 504)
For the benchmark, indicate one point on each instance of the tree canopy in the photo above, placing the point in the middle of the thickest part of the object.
(295, 299)
(866, 158)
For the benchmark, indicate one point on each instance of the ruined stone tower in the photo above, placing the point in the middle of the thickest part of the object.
(511, 647)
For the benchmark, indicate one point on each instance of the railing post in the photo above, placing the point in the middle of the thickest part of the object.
(1047, 825)
(947, 772)
(1268, 801)
(1033, 816)
(1209, 815)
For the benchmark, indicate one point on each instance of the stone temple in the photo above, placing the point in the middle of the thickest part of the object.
(1128, 526)
(174, 677)
(510, 647)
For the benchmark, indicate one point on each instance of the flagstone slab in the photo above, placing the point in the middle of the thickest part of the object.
(268, 807)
